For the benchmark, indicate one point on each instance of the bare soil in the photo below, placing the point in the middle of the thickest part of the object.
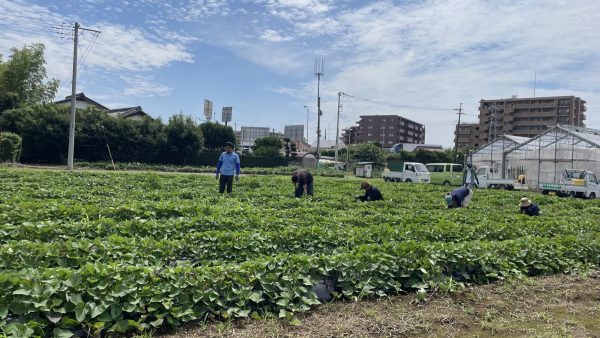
(549, 306)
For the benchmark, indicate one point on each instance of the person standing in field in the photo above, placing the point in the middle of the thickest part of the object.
(371, 193)
(303, 181)
(228, 167)
(459, 197)
(470, 179)
(529, 208)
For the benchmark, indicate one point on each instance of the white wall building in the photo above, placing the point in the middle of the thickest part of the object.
(294, 132)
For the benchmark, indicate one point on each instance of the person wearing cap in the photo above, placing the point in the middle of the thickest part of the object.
(529, 208)
(371, 193)
(470, 179)
(228, 167)
(303, 181)
(459, 197)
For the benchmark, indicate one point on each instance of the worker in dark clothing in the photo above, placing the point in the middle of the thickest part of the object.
(371, 193)
(303, 181)
(459, 197)
(529, 208)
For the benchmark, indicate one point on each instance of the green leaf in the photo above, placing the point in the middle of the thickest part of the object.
(157, 323)
(283, 302)
(3, 311)
(22, 292)
(120, 326)
(256, 297)
(54, 317)
(60, 333)
(285, 314)
(74, 280)
(80, 312)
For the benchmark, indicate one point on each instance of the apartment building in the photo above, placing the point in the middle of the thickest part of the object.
(384, 129)
(468, 136)
(526, 117)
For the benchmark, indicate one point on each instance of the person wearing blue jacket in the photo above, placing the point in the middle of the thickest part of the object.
(371, 193)
(459, 197)
(227, 168)
(529, 208)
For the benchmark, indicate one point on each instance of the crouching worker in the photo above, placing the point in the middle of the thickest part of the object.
(529, 208)
(303, 181)
(371, 193)
(459, 198)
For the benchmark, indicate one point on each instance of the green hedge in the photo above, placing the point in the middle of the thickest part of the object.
(10, 147)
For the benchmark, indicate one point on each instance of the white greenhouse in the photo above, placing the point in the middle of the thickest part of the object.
(492, 155)
(544, 157)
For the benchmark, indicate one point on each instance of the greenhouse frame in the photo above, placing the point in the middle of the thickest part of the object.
(492, 154)
(543, 158)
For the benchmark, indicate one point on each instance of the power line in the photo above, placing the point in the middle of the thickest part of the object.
(8, 29)
(393, 104)
(84, 57)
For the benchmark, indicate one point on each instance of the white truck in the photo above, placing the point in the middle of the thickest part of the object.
(491, 179)
(574, 183)
(406, 172)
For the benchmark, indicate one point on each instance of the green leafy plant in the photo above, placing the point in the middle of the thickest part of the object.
(105, 253)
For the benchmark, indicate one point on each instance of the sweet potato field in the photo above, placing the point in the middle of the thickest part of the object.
(94, 253)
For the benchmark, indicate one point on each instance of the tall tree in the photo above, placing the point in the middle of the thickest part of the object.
(184, 138)
(369, 152)
(22, 78)
(216, 135)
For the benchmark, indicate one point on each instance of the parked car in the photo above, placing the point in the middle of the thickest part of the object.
(445, 174)
(409, 172)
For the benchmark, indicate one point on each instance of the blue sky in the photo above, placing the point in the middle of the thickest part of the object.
(421, 57)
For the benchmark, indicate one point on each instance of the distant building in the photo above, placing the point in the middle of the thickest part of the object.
(135, 113)
(468, 136)
(249, 134)
(411, 147)
(294, 132)
(386, 130)
(84, 102)
(526, 117)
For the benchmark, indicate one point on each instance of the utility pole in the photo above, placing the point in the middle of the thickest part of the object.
(337, 128)
(71, 149)
(319, 72)
(306, 124)
(457, 131)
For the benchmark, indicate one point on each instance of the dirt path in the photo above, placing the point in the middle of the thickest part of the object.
(553, 306)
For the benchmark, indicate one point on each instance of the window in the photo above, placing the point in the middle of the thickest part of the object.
(391, 127)
(435, 168)
(370, 127)
(390, 142)
(370, 120)
(382, 127)
(383, 120)
(369, 134)
(409, 167)
(382, 134)
(457, 168)
(391, 135)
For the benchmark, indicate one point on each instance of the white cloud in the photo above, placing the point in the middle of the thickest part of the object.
(144, 86)
(441, 52)
(274, 36)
